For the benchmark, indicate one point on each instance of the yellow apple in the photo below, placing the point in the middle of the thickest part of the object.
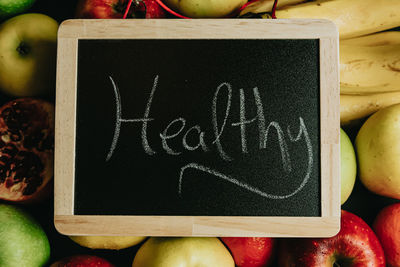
(378, 152)
(107, 242)
(183, 252)
(205, 8)
(348, 166)
(28, 45)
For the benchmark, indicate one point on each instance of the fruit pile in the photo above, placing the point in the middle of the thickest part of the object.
(370, 114)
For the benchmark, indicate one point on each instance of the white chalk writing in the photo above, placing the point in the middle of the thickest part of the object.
(180, 123)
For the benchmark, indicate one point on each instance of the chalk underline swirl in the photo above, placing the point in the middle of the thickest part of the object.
(303, 131)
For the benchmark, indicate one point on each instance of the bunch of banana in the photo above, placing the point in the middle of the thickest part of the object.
(370, 75)
(353, 17)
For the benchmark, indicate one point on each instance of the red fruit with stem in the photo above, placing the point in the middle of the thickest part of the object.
(115, 9)
(101, 9)
(26, 149)
(355, 245)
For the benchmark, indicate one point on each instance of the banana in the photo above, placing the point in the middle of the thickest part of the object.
(266, 5)
(345, 90)
(370, 68)
(353, 17)
(377, 39)
(355, 107)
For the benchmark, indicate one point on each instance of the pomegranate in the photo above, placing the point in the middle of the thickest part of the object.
(26, 148)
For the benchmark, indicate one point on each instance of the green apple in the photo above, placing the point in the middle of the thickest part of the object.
(205, 8)
(23, 242)
(378, 152)
(183, 252)
(348, 166)
(12, 7)
(28, 45)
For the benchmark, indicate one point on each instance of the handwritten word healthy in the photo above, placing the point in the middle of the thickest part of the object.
(218, 129)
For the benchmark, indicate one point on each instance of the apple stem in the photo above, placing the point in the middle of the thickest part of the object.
(274, 9)
(23, 49)
(127, 9)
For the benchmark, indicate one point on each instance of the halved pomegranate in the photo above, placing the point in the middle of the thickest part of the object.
(26, 148)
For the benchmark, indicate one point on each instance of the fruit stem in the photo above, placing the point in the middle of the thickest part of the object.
(127, 9)
(274, 9)
(23, 49)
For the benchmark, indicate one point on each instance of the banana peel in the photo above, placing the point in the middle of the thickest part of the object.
(359, 91)
(377, 39)
(356, 107)
(370, 67)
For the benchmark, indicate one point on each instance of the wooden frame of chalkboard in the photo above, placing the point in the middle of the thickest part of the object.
(71, 31)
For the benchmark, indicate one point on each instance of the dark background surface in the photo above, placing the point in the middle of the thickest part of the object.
(190, 72)
(361, 202)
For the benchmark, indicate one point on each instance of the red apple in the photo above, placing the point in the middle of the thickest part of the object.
(355, 245)
(387, 228)
(153, 9)
(115, 9)
(82, 261)
(250, 251)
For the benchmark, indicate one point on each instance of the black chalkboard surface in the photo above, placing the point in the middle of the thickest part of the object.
(198, 127)
(182, 128)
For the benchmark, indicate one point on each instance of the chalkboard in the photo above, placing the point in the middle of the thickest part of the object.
(180, 127)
